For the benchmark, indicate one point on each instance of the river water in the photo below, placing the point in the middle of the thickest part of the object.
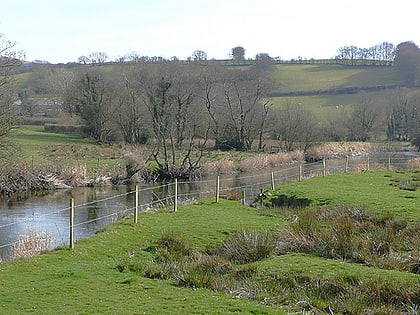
(96, 207)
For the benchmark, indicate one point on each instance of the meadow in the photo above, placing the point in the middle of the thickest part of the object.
(219, 258)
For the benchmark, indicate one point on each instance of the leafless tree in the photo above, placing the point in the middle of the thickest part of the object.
(83, 60)
(98, 57)
(403, 116)
(9, 60)
(169, 96)
(363, 120)
(243, 93)
(296, 127)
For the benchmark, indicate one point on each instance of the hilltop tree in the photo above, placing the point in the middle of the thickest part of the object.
(238, 53)
(199, 55)
(263, 62)
(98, 57)
(407, 62)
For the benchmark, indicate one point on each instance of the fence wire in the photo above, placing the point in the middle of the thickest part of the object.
(95, 215)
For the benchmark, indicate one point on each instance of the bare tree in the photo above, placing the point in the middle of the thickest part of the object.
(169, 95)
(98, 57)
(403, 116)
(243, 92)
(363, 119)
(297, 127)
(83, 60)
(9, 60)
(130, 116)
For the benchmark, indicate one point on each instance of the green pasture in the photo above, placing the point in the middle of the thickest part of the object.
(304, 77)
(38, 146)
(380, 191)
(87, 280)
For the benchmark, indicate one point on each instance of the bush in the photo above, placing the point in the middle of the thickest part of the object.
(248, 246)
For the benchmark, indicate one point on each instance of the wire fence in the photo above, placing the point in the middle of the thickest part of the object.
(30, 235)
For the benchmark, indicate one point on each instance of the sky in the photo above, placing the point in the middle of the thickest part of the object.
(60, 31)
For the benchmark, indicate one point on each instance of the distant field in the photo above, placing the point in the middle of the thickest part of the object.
(310, 78)
(301, 78)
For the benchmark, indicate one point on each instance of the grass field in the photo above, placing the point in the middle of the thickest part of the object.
(105, 273)
(303, 78)
(378, 191)
(39, 146)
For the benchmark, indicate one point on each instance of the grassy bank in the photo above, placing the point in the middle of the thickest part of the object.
(134, 269)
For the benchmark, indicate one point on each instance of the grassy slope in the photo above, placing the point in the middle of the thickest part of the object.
(302, 78)
(86, 279)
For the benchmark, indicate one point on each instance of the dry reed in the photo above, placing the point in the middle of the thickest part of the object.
(334, 150)
(223, 166)
(270, 161)
(31, 244)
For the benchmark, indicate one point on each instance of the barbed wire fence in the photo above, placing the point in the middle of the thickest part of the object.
(90, 217)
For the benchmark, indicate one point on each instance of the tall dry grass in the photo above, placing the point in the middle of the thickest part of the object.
(335, 150)
(259, 162)
(31, 244)
(223, 166)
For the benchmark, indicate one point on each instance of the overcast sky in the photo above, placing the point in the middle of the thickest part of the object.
(63, 30)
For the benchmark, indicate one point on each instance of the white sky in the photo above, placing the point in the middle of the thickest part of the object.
(63, 30)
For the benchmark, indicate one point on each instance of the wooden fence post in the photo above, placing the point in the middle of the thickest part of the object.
(243, 197)
(346, 165)
(217, 189)
(368, 162)
(176, 195)
(324, 166)
(389, 161)
(71, 245)
(273, 185)
(300, 171)
(136, 206)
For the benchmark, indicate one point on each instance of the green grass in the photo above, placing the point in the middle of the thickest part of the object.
(87, 280)
(301, 78)
(32, 139)
(376, 191)
(39, 146)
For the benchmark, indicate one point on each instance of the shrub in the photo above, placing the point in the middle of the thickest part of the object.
(248, 246)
